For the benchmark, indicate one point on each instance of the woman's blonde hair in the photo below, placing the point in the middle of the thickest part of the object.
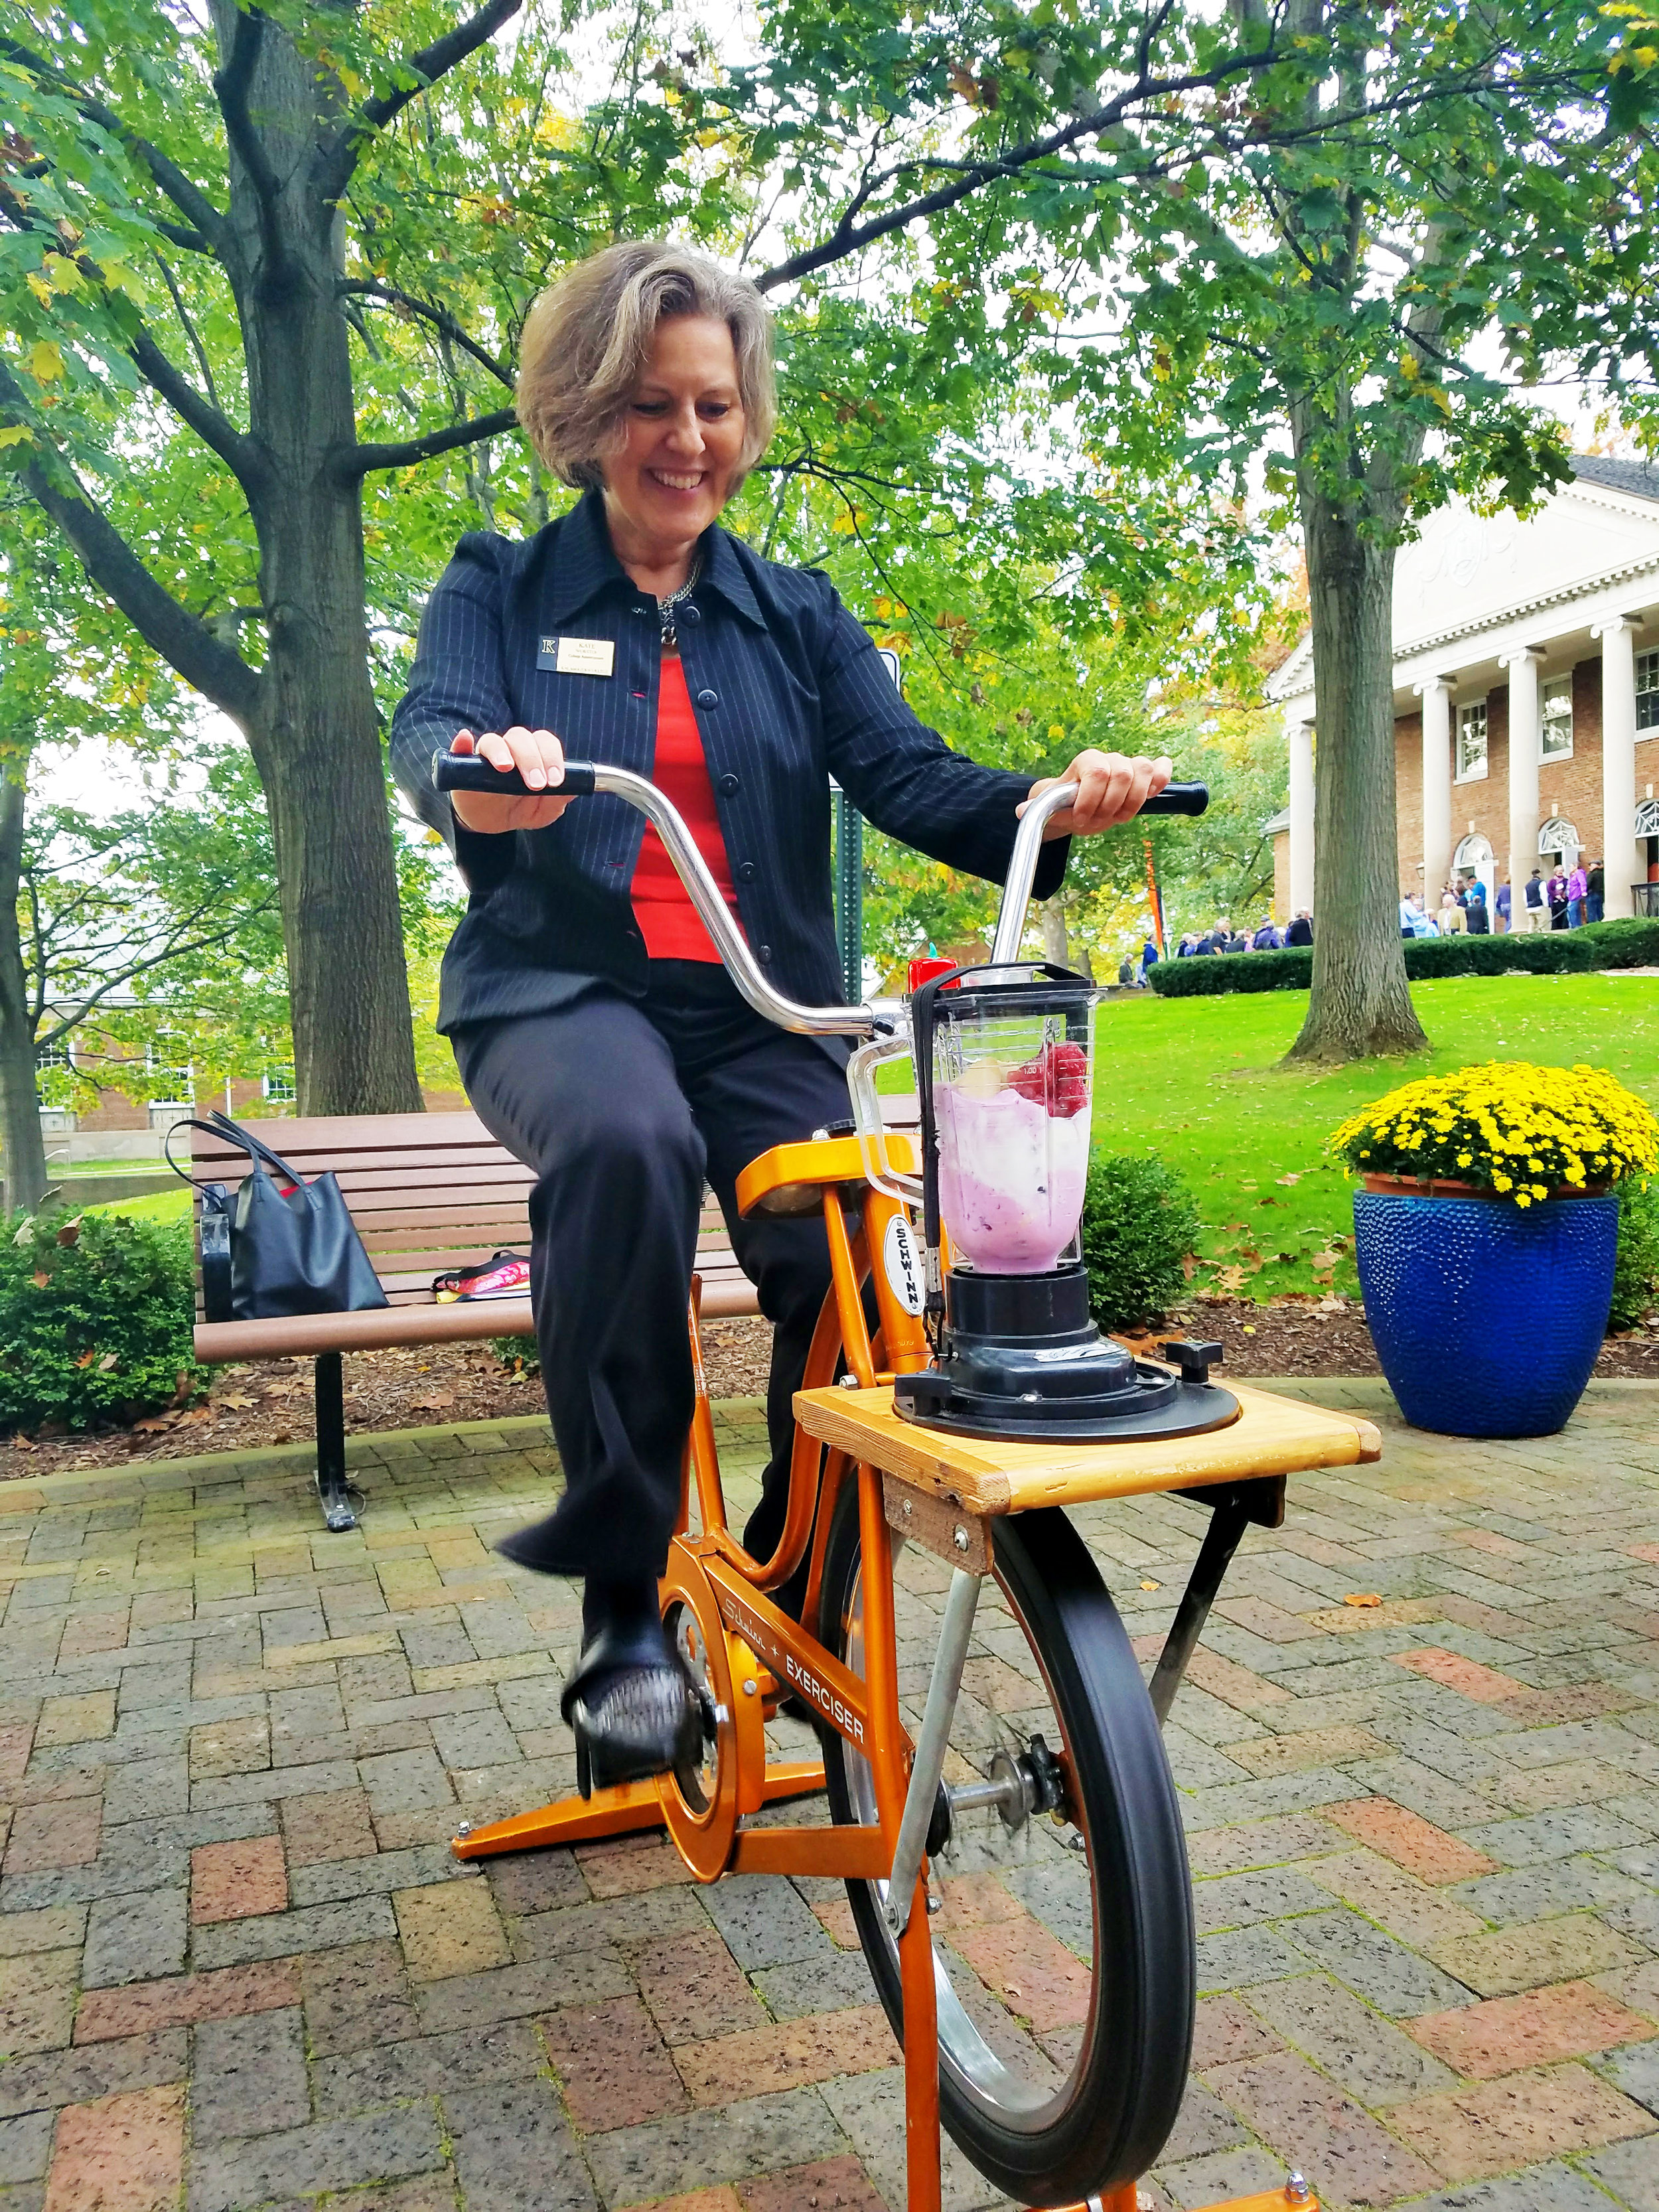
(586, 340)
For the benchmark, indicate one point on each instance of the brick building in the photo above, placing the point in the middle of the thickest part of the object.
(1526, 697)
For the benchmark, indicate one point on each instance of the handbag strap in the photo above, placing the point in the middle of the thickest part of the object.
(256, 1147)
(190, 1121)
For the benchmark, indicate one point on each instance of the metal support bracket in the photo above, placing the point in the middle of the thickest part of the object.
(1233, 1506)
(928, 1767)
(333, 1487)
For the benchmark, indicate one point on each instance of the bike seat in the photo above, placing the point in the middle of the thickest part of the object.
(791, 1178)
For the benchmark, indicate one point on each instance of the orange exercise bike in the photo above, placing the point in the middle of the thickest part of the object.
(998, 1803)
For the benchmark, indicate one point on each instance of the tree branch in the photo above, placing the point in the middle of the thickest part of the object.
(230, 88)
(207, 225)
(241, 454)
(335, 162)
(190, 332)
(182, 639)
(439, 318)
(360, 460)
(849, 237)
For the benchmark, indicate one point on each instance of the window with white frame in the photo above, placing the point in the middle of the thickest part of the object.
(1647, 691)
(167, 1071)
(276, 1085)
(1472, 740)
(1557, 719)
(55, 1054)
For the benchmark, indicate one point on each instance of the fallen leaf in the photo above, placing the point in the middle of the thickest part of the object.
(42, 1278)
(70, 1231)
(108, 1363)
(87, 1359)
(197, 1413)
(1151, 1585)
(1363, 1597)
(156, 1422)
(1229, 1279)
(1249, 1328)
(232, 1398)
(1326, 1259)
(1287, 1178)
(435, 1398)
(21, 1443)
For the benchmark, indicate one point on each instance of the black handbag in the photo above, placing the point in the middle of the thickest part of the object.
(269, 1252)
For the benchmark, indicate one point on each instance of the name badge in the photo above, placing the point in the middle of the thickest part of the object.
(578, 656)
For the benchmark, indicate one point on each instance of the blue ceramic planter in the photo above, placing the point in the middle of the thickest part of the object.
(1487, 1319)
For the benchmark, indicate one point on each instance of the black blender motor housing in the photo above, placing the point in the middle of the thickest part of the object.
(1017, 1355)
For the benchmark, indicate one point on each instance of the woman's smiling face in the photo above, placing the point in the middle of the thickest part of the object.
(682, 439)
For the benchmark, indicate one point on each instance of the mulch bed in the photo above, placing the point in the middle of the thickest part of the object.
(248, 1408)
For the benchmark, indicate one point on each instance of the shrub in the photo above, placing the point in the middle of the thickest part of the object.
(1636, 1271)
(1629, 943)
(96, 1318)
(1139, 1226)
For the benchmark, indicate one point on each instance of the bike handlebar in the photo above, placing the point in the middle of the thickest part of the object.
(581, 779)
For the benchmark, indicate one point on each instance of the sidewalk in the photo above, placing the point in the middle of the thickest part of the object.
(239, 1967)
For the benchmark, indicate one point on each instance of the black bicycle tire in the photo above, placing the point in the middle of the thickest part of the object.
(1129, 2083)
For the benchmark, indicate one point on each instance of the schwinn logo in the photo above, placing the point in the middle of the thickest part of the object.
(835, 1711)
(898, 1260)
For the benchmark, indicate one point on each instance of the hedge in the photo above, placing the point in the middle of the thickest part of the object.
(1630, 944)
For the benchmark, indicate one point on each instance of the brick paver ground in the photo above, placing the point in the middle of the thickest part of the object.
(239, 1967)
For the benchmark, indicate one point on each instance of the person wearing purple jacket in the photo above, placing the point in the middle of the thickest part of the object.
(1577, 892)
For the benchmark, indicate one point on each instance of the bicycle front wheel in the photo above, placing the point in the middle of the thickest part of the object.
(1060, 1902)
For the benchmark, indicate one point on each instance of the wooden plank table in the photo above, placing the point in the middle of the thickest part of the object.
(1272, 1436)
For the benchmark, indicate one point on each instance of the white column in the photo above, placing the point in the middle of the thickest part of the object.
(1526, 749)
(1619, 764)
(1298, 738)
(1435, 695)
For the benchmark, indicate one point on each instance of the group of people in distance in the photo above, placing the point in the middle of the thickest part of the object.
(1266, 936)
(1568, 900)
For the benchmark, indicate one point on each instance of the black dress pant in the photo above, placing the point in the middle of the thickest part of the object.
(623, 1108)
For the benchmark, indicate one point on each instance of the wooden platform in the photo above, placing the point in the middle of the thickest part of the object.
(1272, 1436)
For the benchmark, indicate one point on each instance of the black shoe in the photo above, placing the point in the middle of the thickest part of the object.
(633, 1707)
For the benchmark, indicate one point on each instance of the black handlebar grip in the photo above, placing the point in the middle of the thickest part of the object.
(469, 772)
(1179, 799)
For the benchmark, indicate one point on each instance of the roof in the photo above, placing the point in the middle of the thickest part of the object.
(1639, 478)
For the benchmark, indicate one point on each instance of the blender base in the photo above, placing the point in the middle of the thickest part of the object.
(1192, 1409)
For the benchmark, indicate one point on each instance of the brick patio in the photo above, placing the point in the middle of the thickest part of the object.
(238, 1967)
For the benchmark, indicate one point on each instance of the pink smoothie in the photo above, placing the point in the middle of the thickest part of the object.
(1012, 1178)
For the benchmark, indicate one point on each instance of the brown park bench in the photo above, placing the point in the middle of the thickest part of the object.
(428, 1192)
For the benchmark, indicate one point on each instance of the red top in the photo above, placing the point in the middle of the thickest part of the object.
(673, 930)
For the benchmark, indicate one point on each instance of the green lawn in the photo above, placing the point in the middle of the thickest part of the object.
(1195, 1081)
(151, 1206)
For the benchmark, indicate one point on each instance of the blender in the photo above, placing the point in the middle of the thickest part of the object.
(1004, 1057)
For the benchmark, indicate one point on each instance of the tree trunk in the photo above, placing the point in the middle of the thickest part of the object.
(1360, 1005)
(315, 735)
(25, 1151)
(1054, 930)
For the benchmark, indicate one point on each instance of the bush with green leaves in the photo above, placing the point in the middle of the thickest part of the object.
(1139, 1228)
(95, 1319)
(1627, 943)
(1636, 1270)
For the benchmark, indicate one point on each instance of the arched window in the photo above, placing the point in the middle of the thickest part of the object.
(1474, 854)
(1647, 818)
(1559, 837)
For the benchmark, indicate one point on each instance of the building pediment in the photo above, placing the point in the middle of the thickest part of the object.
(1467, 572)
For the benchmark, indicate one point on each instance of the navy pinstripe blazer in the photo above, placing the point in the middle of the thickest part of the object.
(788, 690)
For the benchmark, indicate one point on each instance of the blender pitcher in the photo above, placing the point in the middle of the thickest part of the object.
(1011, 1069)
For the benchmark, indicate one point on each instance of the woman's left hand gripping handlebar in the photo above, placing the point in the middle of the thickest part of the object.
(539, 758)
(1110, 788)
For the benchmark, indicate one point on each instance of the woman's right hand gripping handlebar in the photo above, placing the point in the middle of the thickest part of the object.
(539, 758)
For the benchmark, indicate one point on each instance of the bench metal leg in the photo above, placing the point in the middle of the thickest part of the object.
(331, 1443)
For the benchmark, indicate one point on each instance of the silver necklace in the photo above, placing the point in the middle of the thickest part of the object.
(668, 608)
